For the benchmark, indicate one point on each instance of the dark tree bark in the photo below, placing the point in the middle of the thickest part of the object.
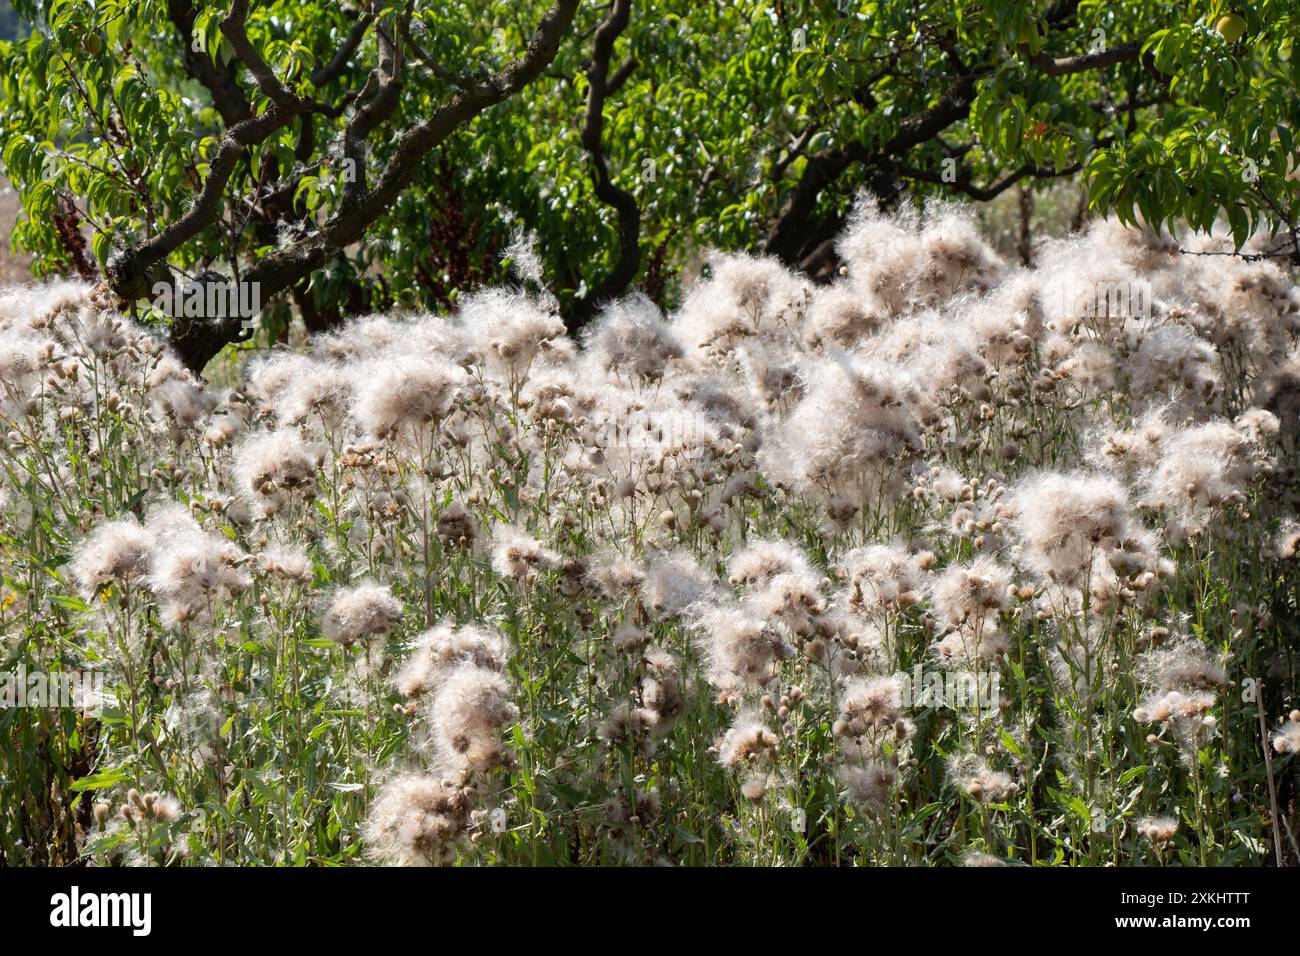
(600, 85)
(1025, 242)
(132, 272)
(799, 238)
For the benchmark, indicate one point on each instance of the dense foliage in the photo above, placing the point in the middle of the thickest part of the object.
(736, 125)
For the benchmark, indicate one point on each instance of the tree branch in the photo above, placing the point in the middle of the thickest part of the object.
(227, 97)
(232, 28)
(622, 201)
(378, 101)
(994, 189)
(334, 68)
(131, 271)
(1126, 53)
(788, 239)
(436, 68)
(620, 76)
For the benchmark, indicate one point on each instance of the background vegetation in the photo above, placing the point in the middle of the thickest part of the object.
(644, 133)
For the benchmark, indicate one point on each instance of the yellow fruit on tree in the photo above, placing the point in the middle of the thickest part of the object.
(92, 43)
(1231, 27)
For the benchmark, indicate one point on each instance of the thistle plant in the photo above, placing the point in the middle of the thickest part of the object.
(466, 589)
